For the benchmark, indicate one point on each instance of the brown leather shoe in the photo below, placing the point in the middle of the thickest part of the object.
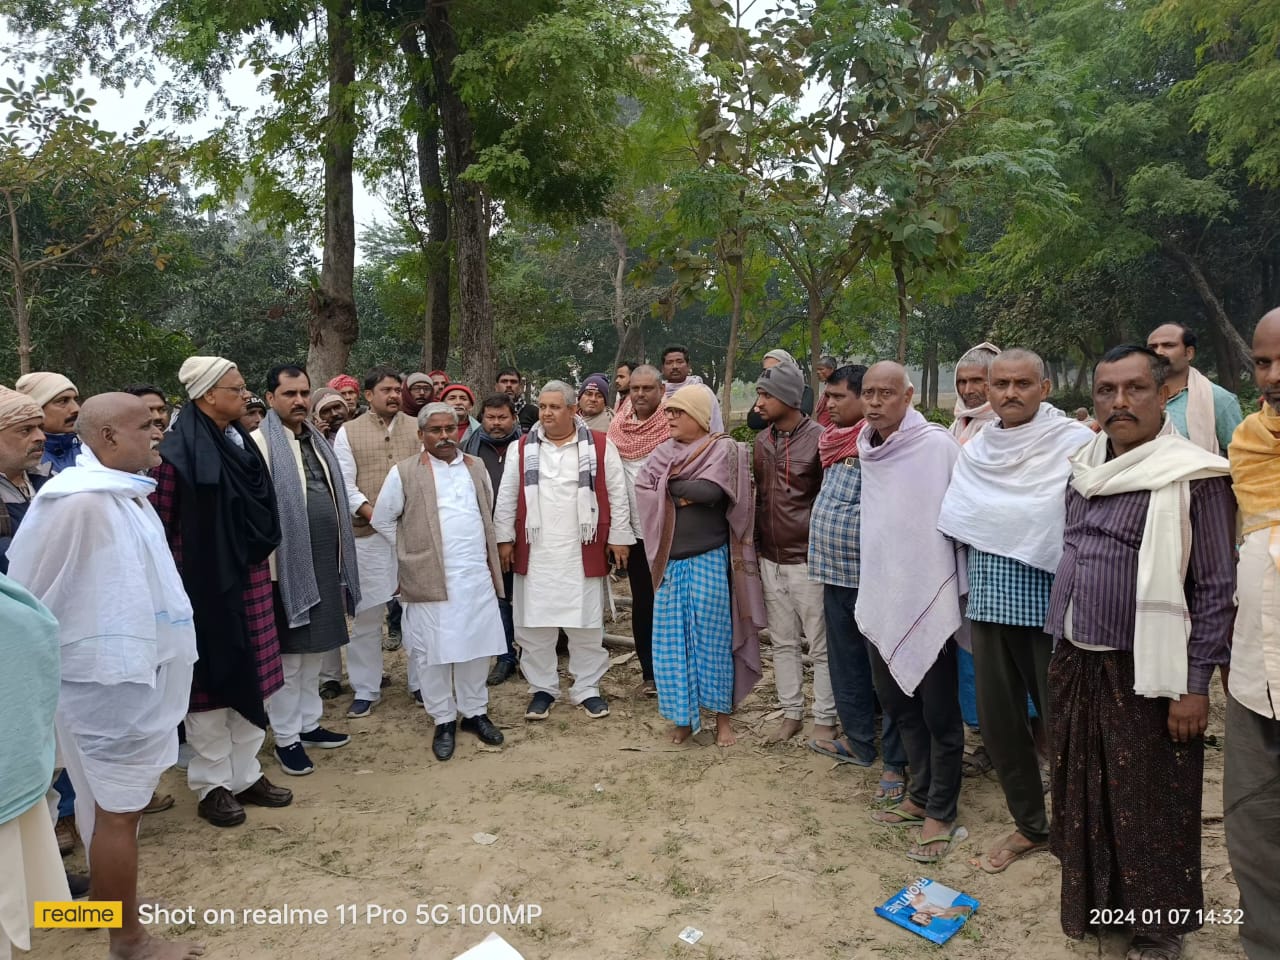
(264, 793)
(66, 833)
(221, 809)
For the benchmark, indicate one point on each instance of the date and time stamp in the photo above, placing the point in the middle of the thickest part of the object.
(1155, 918)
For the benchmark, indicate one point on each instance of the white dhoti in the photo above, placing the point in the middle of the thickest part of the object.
(33, 871)
(117, 739)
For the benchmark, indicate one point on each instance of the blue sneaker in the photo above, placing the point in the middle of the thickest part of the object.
(294, 760)
(324, 739)
(360, 709)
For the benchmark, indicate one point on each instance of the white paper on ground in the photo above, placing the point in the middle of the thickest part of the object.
(492, 947)
(690, 935)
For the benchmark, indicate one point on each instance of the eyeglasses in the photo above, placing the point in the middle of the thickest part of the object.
(243, 388)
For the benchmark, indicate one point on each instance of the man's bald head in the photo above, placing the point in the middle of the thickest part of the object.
(886, 396)
(121, 432)
(1266, 358)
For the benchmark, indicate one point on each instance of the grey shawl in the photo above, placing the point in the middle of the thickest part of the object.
(296, 576)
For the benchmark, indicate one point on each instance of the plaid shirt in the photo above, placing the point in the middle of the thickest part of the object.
(835, 525)
(1003, 590)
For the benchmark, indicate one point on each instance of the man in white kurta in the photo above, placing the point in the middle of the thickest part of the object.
(92, 549)
(433, 508)
(556, 528)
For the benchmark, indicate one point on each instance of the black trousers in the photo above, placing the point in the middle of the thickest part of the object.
(641, 607)
(931, 729)
(1009, 663)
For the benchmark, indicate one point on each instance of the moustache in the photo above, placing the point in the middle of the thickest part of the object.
(441, 444)
(1115, 417)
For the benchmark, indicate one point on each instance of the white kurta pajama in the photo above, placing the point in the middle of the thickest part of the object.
(376, 561)
(555, 594)
(450, 641)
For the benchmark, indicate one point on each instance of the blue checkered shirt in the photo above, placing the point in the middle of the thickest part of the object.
(1003, 590)
(835, 524)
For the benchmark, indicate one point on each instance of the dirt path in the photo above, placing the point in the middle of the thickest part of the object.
(619, 839)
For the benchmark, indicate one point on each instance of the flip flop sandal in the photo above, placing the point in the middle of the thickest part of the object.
(956, 835)
(984, 863)
(905, 818)
(838, 752)
(977, 762)
(890, 792)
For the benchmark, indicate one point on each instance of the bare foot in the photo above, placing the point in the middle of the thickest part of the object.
(724, 731)
(787, 729)
(824, 731)
(153, 948)
(681, 734)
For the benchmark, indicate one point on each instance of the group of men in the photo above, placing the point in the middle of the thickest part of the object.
(1090, 577)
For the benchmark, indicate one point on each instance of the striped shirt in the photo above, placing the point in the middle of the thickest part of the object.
(1098, 574)
(1003, 590)
(835, 525)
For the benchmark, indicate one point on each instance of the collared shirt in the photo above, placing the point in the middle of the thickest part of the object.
(1098, 574)
(1226, 414)
(1004, 590)
(835, 525)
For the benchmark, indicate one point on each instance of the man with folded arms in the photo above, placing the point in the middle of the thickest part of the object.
(93, 551)
(1141, 612)
(638, 429)
(1005, 503)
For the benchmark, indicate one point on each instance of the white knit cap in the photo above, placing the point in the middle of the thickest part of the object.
(43, 387)
(201, 374)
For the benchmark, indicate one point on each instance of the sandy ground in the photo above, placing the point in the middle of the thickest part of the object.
(617, 838)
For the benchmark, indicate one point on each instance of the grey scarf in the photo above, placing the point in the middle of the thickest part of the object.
(294, 570)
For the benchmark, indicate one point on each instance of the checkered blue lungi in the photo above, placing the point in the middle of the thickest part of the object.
(693, 638)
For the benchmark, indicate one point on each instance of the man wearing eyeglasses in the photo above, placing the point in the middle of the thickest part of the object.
(215, 497)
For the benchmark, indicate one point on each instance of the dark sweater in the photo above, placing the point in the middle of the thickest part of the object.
(701, 525)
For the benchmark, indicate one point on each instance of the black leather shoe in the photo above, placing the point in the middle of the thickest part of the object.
(503, 670)
(483, 728)
(442, 743)
(264, 793)
(220, 808)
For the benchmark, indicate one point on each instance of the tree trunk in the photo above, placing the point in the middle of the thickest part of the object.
(930, 387)
(736, 273)
(334, 325)
(435, 340)
(476, 340)
(1237, 350)
(901, 281)
(1228, 376)
(630, 331)
(21, 316)
(816, 316)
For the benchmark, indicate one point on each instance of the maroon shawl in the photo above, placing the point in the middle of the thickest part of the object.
(726, 463)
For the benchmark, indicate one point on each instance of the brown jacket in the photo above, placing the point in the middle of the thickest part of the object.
(419, 544)
(788, 477)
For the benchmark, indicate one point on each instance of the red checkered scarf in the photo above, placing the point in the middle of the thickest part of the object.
(836, 443)
(636, 439)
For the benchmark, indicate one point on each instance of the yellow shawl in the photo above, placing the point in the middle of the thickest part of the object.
(1255, 470)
